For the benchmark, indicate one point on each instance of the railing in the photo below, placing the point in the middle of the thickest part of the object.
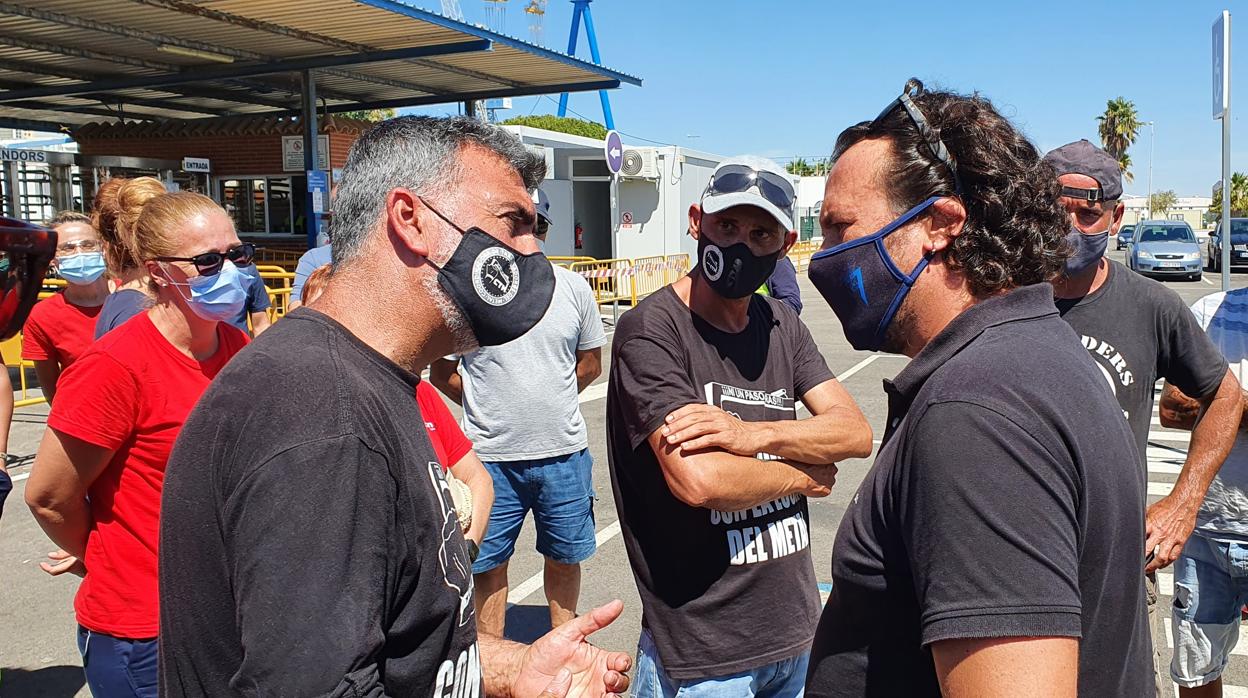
(278, 283)
(800, 254)
(567, 262)
(11, 350)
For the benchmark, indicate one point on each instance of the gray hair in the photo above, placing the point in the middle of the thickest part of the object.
(419, 153)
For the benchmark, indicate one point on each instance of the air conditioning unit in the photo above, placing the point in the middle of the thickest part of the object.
(642, 163)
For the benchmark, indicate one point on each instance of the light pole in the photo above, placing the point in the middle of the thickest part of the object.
(1152, 142)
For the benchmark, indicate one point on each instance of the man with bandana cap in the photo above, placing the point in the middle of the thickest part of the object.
(1138, 331)
(710, 464)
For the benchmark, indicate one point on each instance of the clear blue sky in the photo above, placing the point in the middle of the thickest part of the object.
(783, 77)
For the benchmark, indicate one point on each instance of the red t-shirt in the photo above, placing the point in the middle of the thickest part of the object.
(130, 392)
(58, 330)
(448, 439)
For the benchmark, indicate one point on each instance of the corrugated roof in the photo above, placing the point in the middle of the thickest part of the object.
(69, 62)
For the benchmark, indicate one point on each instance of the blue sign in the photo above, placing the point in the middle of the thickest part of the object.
(318, 187)
(1221, 64)
(613, 150)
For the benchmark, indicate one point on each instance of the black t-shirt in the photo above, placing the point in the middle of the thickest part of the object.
(309, 544)
(721, 592)
(1139, 331)
(1006, 501)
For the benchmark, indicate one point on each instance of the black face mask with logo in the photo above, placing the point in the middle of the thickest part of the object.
(501, 292)
(734, 271)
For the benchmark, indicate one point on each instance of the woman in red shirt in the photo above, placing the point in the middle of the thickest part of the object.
(96, 483)
(453, 449)
(61, 328)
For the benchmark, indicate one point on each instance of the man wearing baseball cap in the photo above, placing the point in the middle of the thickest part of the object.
(1139, 331)
(711, 466)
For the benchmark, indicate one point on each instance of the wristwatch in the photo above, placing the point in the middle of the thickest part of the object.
(473, 550)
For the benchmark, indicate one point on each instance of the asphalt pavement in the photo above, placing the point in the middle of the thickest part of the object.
(38, 655)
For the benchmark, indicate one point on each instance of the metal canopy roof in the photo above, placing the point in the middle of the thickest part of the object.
(70, 62)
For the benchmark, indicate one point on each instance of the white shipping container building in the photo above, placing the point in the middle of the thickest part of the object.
(642, 213)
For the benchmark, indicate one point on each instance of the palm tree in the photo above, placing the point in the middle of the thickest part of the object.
(1119, 126)
(1124, 166)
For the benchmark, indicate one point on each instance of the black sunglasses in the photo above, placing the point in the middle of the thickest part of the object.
(210, 263)
(541, 227)
(934, 143)
(25, 252)
(734, 179)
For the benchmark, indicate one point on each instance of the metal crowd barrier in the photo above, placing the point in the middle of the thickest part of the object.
(650, 275)
(800, 254)
(11, 350)
(567, 262)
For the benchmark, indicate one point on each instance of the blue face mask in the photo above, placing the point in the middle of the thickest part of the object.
(217, 297)
(82, 268)
(862, 283)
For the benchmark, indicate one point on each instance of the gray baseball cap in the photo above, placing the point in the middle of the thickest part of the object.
(541, 203)
(779, 184)
(1081, 157)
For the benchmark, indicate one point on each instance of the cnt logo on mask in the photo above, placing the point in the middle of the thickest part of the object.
(713, 262)
(495, 276)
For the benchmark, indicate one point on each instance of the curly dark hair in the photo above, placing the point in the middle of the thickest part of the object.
(1015, 229)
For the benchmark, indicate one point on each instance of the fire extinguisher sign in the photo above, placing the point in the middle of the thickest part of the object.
(580, 235)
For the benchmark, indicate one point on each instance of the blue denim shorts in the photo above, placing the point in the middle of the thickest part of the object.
(560, 493)
(783, 679)
(1210, 586)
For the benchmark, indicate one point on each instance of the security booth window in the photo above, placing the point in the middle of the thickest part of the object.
(260, 205)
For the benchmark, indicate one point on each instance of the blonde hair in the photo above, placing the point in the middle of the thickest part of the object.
(63, 217)
(314, 285)
(118, 204)
(154, 234)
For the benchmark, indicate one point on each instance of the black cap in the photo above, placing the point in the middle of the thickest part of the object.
(1081, 157)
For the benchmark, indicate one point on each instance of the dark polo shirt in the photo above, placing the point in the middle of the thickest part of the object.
(1006, 501)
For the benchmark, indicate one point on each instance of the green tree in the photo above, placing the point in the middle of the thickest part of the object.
(1162, 202)
(368, 114)
(1119, 126)
(1239, 198)
(798, 167)
(562, 124)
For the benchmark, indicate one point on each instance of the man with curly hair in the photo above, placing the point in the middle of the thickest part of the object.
(1138, 332)
(994, 546)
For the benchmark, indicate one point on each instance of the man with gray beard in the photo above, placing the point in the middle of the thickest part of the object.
(325, 558)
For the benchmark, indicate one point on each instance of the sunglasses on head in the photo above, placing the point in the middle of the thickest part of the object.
(933, 141)
(25, 252)
(734, 179)
(210, 263)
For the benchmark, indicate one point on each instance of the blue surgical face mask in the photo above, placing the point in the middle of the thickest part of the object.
(1087, 250)
(217, 297)
(862, 283)
(82, 269)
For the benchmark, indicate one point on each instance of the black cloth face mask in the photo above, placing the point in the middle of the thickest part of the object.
(501, 292)
(733, 271)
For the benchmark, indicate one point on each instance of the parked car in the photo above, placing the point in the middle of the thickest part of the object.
(1125, 235)
(1165, 248)
(1239, 245)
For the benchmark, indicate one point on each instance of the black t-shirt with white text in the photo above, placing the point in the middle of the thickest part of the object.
(722, 592)
(309, 543)
(1138, 331)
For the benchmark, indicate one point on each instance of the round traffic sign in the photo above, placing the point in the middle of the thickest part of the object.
(613, 150)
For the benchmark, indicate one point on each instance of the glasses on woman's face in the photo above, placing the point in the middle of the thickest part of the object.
(210, 263)
(66, 249)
